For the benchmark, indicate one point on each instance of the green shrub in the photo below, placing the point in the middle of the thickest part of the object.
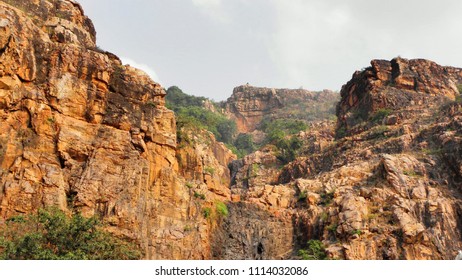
(52, 235)
(341, 132)
(207, 211)
(244, 143)
(151, 103)
(302, 196)
(324, 216)
(411, 173)
(380, 115)
(209, 170)
(459, 98)
(379, 132)
(314, 251)
(327, 198)
(222, 209)
(288, 148)
(459, 88)
(332, 228)
(199, 195)
(190, 112)
(287, 126)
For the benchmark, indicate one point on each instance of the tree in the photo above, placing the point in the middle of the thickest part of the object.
(190, 113)
(244, 143)
(52, 235)
(315, 251)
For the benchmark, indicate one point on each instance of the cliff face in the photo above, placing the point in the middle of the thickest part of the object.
(81, 131)
(395, 84)
(392, 190)
(249, 105)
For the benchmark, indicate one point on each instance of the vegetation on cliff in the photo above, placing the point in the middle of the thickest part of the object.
(282, 134)
(190, 112)
(315, 250)
(52, 235)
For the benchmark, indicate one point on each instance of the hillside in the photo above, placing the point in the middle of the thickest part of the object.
(386, 186)
(374, 175)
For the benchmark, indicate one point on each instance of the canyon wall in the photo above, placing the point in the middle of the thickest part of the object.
(82, 132)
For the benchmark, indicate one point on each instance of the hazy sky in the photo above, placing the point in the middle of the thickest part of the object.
(207, 47)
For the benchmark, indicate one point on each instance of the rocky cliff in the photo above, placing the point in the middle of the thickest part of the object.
(82, 132)
(249, 105)
(391, 190)
(395, 84)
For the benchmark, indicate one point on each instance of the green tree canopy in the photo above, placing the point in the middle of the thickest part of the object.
(52, 235)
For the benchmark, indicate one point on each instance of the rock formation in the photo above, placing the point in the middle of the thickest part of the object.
(392, 190)
(82, 132)
(249, 105)
(395, 84)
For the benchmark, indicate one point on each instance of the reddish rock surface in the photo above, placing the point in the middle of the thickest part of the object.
(395, 84)
(82, 132)
(249, 105)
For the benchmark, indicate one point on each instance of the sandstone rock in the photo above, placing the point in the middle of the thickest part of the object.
(412, 230)
(264, 237)
(82, 132)
(394, 84)
(391, 120)
(249, 105)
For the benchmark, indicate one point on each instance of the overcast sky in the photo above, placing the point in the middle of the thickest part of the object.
(207, 47)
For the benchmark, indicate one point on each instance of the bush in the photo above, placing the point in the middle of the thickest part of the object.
(176, 98)
(52, 235)
(209, 170)
(459, 98)
(199, 195)
(302, 196)
(315, 251)
(380, 115)
(244, 143)
(459, 88)
(286, 126)
(288, 149)
(278, 133)
(341, 132)
(206, 212)
(222, 209)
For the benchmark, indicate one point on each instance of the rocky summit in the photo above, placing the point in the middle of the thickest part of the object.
(83, 133)
(249, 105)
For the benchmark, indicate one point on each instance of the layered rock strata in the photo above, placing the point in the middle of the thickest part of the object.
(395, 84)
(249, 105)
(82, 132)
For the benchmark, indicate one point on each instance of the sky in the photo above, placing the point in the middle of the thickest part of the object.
(208, 47)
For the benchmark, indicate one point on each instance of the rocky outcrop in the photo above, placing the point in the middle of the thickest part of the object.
(395, 84)
(252, 233)
(82, 132)
(388, 189)
(204, 162)
(249, 105)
